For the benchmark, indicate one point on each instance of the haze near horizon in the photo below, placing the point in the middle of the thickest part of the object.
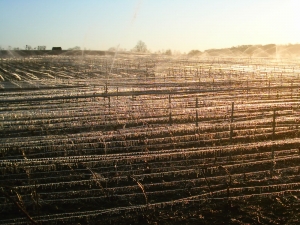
(165, 24)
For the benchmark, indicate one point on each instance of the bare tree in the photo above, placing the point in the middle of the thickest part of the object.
(194, 52)
(140, 47)
(168, 52)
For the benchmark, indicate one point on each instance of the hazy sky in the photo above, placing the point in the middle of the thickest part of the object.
(180, 25)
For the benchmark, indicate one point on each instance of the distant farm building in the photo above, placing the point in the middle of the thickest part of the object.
(56, 48)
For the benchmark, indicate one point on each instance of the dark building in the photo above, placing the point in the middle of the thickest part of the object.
(56, 48)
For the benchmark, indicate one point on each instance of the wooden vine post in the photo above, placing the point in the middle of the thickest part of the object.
(230, 82)
(197, 105)
(170, 111)
(291, 89)
(231, 121)
(105, 88)
(109, 104)
(269, 88)
(273, 138)
(231, 126)
(228, 183)
(273, 130)
(247, 88)
(117, 93)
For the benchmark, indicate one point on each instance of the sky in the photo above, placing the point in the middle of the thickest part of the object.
(179, 25)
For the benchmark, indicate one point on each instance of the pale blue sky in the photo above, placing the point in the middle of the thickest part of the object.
(180, 25)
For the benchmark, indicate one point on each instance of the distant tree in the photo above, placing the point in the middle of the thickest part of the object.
(75, 48)
(28, 47)
(118, 49)
(112, 49)
(140, 47)
(194, 52)
(176, 52)
(41, 47)
(168, 52)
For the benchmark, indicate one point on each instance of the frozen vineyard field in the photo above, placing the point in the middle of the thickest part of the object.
(149, 139)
